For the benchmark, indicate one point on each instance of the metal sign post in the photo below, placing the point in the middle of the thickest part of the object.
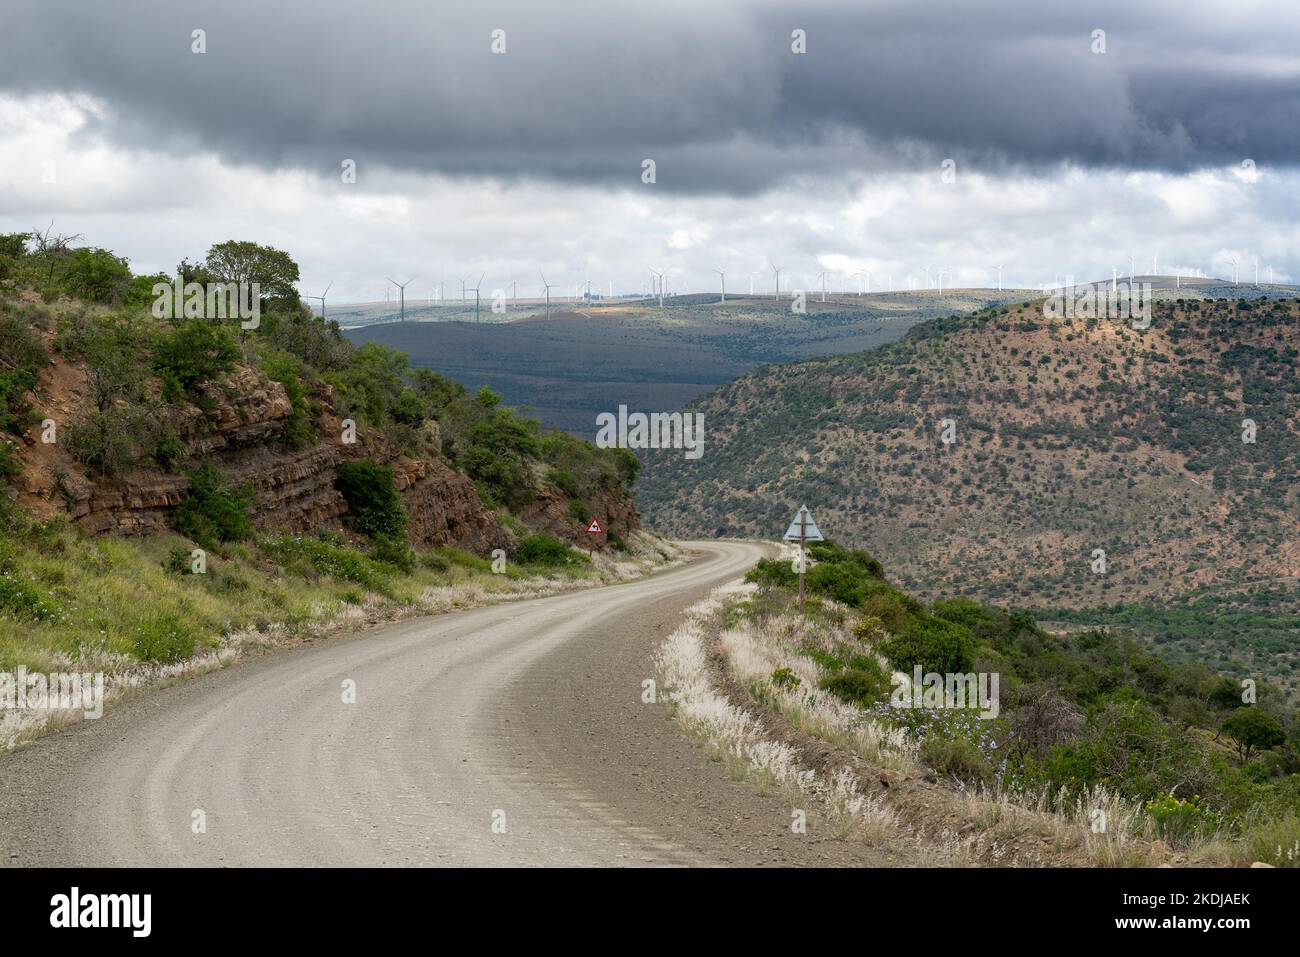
(803, 529)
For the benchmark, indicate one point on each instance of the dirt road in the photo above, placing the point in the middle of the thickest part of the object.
(527, 716)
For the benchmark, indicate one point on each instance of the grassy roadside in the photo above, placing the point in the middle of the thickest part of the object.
(1097, 755)
(135, 610)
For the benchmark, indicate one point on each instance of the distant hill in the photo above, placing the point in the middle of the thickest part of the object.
(1071, 435)
(591, 357)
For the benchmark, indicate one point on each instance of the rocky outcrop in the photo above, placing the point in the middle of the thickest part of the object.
(239, 426)
(550, 513)
(240, 430)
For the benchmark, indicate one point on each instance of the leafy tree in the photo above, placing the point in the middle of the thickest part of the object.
(96, 274)
(273, 270)
(1252, 730)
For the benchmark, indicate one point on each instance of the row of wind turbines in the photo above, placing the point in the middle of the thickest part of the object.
(656, 287)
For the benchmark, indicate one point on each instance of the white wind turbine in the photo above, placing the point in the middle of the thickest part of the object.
(659, 276)
(402, 287)
(1114, 276)
(999, 269)
(1256, 270)
(822, 277)
(776, 270)
(1131, 261)
(546, 288)
(321, 297)
(475, 287)
(1234, 271)
(723, 273)
(751, 280)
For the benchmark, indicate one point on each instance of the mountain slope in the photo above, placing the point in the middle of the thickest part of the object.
(1070, 435)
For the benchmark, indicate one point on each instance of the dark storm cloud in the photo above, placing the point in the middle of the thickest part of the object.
(712, 91)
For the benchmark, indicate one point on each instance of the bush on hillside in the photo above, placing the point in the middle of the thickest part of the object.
(933, 643)
(194, 352)
(547, 550)
(213, 511)
(374, 505)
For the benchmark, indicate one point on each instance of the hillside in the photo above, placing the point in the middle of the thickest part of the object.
(591, 357)
(1070, 435)
(1012, 768)
(169, 482)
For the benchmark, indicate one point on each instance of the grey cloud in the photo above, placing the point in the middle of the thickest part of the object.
(711, 92)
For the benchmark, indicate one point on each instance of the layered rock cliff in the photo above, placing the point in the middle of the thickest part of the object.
(241, 431)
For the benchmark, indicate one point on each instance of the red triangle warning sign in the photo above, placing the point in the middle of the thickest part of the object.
(594, 527)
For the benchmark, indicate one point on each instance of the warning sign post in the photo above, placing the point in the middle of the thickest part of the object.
(803, 529)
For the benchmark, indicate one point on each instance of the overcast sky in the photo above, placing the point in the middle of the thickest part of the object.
(1181, 140)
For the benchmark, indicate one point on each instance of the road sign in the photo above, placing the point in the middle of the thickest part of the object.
(594, 527)
(803, 528)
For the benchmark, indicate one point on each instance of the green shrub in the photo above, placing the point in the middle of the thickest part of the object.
(10, 465)
(956, 757)
(1176, 819)
(21, 599)
(933, 643)
(105, 441)
(164, 638)
(862, 683)
(326, 558)
(194, 352)
(435, 561)
(579, 512)
(548, 551)
(773, 571)
(179, 560)
(785, 678)
(393, 551)
(214, 512)
(374, 505)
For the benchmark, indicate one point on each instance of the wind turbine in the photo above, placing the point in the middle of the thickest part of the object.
(723, 274)
(942, 271)
(822, 277)
(999, 269)
(546, 286)
(777, 271)
(1114, 274)
(1256, 270)
(1234, 271)
(659, 277)
(1155, 264)
(859, 274)
(514, 290)
(402, 286)
(751, 280)
(321, 297)
(1131, 261)
(475, 287)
